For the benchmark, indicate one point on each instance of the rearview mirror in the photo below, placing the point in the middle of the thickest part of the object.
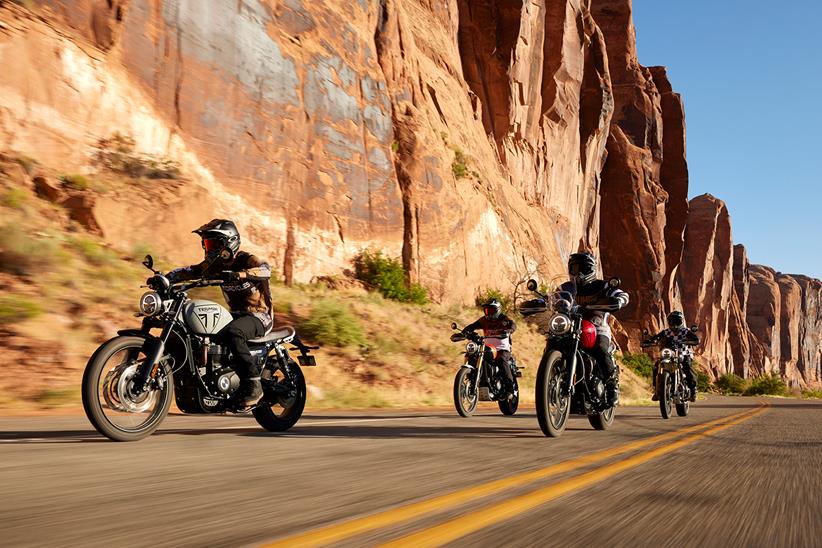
(694, 328)
(148, 262)
(453, 325)
(615, 282)
(645, 333)
(531, 285)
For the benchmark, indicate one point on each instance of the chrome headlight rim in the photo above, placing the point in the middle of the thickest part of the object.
(667, 354)
(471, 347)
(151, 303)
(560, 324)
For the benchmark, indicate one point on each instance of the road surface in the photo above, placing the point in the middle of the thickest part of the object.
(736, 472)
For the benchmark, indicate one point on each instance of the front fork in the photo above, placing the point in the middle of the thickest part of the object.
(572, 369)
(153, 348)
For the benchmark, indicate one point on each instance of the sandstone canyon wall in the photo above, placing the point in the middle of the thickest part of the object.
(480, 140)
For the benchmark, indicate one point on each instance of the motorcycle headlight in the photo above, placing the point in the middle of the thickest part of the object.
(471, 347)
(560, 324)
(667, 353)
(151, 303)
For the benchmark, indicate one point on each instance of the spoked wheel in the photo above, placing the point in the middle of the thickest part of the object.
(280, 409)
(108, 399)
(553, 406)
(509, 407)
(603, 420)
(666, 393)
(465, 397)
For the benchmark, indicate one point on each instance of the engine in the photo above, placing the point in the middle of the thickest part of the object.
(214, 368)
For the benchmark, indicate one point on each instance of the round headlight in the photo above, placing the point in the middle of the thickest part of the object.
(471, 347)
(667, 353)
(150, 303)
(560, 324)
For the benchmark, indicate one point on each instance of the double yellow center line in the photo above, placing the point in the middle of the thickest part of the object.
(496, 513)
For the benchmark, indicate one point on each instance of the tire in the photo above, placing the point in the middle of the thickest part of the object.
(509, 407)
(273, 421)
(603, 420)
(665, 392)
(94, 407)
(463, 402)
(549, 379)
(682, 409)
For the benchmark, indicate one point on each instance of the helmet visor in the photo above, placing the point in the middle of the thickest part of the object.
(576, 269)
(213, 244)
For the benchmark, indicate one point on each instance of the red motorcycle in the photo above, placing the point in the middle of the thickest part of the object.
(568, 379)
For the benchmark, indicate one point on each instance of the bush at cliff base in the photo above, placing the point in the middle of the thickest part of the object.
(387, 276)
(331, 322)
(731, 384)
(639, 363)
(766, 385)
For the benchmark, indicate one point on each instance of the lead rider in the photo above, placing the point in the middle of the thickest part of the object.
(247, 292)
(597, 298)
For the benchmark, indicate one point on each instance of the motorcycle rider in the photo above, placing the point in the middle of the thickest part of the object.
(246, 291)
(498, 327)
(677, 337)
(597, 298)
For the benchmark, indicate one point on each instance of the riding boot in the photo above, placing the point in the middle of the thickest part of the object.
(692, 386)
(250, 391)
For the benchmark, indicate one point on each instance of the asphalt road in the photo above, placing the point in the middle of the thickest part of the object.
(736, 472)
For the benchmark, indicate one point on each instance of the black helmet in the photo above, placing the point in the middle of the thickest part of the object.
(219, 235)
(492, 309)
(582, 267)
(676, 319)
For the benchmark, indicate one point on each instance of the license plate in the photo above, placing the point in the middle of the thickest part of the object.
(307, 361)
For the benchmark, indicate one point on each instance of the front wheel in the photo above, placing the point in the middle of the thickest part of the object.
(509, 407)
(281, 409)
(552, 400)
(465, 397)
(603, 420)
(108, 400)
(683, 408)
(666, 393)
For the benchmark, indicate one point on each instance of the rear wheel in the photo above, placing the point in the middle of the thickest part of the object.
(666, 393)
(509, 407)
(108, 400)
(553, 403)
(603, 420)
(465, 397)
(280, 410)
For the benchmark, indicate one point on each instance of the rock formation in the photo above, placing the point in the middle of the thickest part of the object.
(482, 141)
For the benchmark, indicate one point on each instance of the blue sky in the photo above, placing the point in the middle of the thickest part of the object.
(750, 73)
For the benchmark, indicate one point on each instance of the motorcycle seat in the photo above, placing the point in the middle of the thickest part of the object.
(280, 335)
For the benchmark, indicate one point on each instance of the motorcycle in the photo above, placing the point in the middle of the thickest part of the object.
(568, 379)
(481, 378)
(669, 379)
(130, 380)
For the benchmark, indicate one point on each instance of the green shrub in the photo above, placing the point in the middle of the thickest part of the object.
(485, 295)
(15, 198)
(731, 384)
(94, 252)
(23, 254)
(75, 182)
(766, 385)
(639, 363)
(459, 166)
(117, 154)
(17, 308)
(703, 381)
(387, 276)
(58, 397)
(812, 394)
(331, 322)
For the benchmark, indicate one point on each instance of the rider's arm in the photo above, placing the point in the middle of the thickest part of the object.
(185, 273)
(255, 269)
(692, 338)
(510, 325)
(474, 326)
